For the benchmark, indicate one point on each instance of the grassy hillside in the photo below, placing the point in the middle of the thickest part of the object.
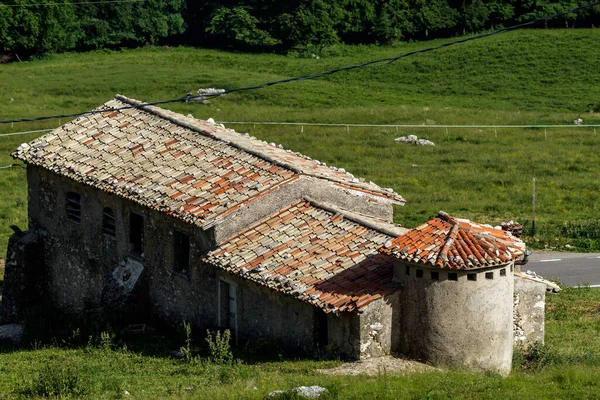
(527, 77)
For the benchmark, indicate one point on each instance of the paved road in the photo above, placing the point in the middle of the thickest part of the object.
(571, 268)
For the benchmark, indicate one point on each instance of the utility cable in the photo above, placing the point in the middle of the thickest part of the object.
(12, 166)
(26, 132)
(72, 4)
(378, 62)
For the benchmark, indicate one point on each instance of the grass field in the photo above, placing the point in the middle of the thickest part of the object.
(527, 77)
(567, 367)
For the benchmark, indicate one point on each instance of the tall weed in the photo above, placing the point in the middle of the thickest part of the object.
(53, 380)
(219, 348)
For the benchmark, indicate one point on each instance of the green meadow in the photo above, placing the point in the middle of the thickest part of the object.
(519, 78)
(523, 78)
(103, 366)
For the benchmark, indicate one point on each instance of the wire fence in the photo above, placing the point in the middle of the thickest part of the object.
(590, 126)
(447, 128)
(585, 232)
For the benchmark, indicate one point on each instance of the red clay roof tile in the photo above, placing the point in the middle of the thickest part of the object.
(221, 166)
(449, 242)
(308, 266)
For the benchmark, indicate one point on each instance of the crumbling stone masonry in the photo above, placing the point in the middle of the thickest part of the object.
(152, 215)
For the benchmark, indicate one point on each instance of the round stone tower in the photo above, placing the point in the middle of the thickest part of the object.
(458, 285)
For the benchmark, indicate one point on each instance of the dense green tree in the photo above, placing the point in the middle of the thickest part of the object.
(236, 27)
(28, 29)
(260, 25)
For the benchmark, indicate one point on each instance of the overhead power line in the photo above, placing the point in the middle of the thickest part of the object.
(12, 166)
(73, 4)
(26, 132)
(378, 62)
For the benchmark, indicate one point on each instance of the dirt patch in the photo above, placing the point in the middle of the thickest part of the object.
(378, 366)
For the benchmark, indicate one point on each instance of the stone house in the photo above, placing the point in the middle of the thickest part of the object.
(180, 219)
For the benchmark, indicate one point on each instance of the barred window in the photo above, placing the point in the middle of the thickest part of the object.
(181, 252)
(73, 206)
(108, 222)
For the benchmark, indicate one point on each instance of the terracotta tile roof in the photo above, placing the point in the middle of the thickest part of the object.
(448, 242)
(316, 255)
(188, 168)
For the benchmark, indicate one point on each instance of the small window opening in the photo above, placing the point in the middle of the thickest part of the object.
(227, 306)
(321, 329)
(511, 268)
(472, 277)
(407, 270)
(503, 272)
(136, 233)
(419, 273)
(108, 222)
(73, 206)
(181, 252)
(452, 276)
(435, 276)
(489, 275)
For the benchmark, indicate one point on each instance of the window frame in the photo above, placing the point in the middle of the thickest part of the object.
(185, 249)
(107, 220)
(132, 248)
(73, 206)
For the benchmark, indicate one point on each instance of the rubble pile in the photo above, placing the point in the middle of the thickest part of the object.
(515, 228)
(202, 92)
(413, 139)
(519, 333)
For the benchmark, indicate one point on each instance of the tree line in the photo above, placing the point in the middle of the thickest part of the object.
(27, 28)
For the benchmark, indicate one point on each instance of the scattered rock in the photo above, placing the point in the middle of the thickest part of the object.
(275, 394)
(177, 354)
(310, 392)
(413, 139)
(550, 286)
(204, 92)
(126, 393)
(12, 332)
(515, 228)
(303, 392)
(188, 389)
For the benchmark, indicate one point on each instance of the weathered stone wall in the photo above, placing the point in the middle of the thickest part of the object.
(344, 333)
(74, 252)
(459, 322)
(271, 317)
(316, 189)
(89, 269)
(377, 326)
(24, 276)
(529, 308)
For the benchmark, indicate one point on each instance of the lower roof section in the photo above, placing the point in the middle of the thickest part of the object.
(315, 254)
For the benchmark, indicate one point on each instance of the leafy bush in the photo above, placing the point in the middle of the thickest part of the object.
(535, 358)
(236, 26)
